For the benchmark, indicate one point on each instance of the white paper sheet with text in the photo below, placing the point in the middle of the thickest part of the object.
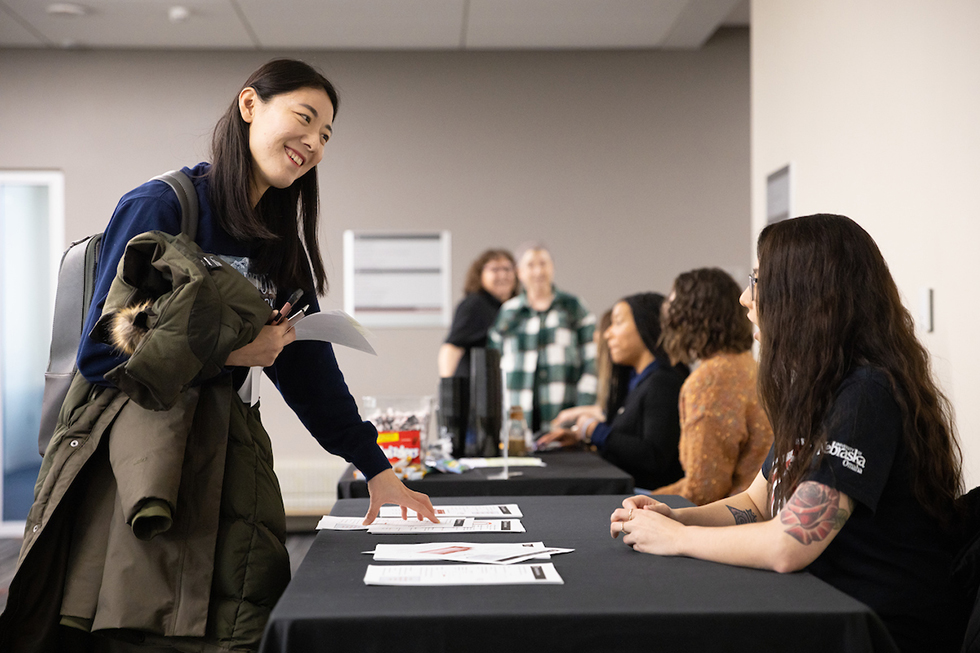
(472, 552)
(512, 461)
(413, 525)
(450, 525)
(431, 575)
(494, 511)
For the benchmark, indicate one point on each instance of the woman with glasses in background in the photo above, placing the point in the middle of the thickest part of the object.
(490, 281)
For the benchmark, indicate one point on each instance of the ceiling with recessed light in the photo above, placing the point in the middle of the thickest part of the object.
(366, 24)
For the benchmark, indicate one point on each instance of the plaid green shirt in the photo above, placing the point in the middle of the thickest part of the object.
(553, 347)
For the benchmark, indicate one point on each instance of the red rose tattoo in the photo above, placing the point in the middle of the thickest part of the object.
(813, 512)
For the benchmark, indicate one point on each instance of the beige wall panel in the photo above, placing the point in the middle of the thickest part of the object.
(632, 165)
(875, 104)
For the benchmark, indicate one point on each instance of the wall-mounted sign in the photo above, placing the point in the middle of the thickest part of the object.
(398, 279)
(778, 205)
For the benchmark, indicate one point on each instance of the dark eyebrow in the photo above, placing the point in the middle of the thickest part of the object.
(316, 115)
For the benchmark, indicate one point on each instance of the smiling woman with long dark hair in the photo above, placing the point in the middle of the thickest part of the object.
(168, 527)
(860, 484)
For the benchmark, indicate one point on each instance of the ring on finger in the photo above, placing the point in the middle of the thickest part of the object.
(630, 516)
(622, 527)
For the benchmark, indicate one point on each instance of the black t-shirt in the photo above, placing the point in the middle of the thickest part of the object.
(472, 321)
(890, 555)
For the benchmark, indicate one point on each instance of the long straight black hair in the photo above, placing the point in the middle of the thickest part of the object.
(827, 303)
(276, 221)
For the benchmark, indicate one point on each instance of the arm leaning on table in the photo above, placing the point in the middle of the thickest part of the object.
(738, 530)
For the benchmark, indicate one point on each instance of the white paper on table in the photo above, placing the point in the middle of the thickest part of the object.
(489, 511)
(336, 327)
(399, 525)
(419, 575)
(434, 551)
(474, 552)
(331, 523)
(512, 461)
(506, 559)
(449, 525)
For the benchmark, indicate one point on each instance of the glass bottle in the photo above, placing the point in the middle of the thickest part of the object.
(517, 432)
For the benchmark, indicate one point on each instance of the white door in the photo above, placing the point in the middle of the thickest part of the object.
(31, 243)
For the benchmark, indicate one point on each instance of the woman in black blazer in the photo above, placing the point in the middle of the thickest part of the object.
(640, 428)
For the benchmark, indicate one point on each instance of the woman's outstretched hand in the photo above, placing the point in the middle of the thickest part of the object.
(386, 488)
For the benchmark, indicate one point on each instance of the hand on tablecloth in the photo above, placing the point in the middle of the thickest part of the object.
(645, 502)
(565, 437)
(570, 416)
(646, 530)
(386, 488)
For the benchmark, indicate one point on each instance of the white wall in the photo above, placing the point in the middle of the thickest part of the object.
(633, 166)
(876, 104)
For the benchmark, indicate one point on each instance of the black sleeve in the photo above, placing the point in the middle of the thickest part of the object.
(471, 322)
(310, 381)
(768, 462)
(864, 431)
(644, 436)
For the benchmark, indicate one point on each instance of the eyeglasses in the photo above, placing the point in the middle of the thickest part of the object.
(753, 281)
(499, 269)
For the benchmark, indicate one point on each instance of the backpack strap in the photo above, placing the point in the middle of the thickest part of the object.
(73, 297)
(187, 195)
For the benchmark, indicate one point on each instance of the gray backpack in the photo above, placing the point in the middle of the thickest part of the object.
(76, 285)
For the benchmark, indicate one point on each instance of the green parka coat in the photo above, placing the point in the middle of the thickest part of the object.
(157, 515)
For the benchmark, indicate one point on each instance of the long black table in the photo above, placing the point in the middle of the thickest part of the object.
(613, 598)
(567, 472)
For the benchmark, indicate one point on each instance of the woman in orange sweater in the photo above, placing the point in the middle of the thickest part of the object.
(725, 433)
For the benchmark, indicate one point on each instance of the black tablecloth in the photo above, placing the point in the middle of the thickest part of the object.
(567, 472)
(613, 599)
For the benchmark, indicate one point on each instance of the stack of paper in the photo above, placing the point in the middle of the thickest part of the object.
(415, 575)
(499, 461)
(477, 552)
(490, 563)
(498, 511)
(413, 525)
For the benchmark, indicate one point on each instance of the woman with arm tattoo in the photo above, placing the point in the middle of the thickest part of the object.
(859, 486)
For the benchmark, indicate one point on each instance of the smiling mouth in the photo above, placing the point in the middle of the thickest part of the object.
(296, 158)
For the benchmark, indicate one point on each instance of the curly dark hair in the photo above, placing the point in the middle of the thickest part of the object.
(704, 318)
(474, 280)
(827, 303)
